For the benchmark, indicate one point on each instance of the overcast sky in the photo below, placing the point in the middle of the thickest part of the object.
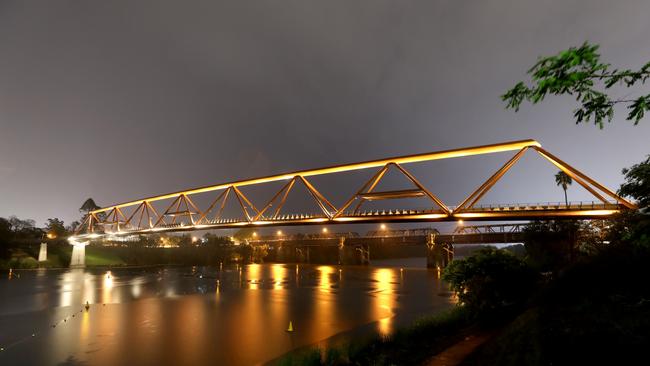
(117, 100)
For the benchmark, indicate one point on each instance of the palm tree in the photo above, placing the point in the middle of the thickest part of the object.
(564, 180)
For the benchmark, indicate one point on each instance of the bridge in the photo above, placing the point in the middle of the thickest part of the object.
(180, 210)
(352, 248)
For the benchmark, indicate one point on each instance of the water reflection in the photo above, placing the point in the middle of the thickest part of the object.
(235, 315)
(386, 298)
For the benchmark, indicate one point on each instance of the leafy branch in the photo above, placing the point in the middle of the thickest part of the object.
(579, 72)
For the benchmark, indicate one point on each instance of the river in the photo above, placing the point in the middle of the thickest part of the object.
(222, 315)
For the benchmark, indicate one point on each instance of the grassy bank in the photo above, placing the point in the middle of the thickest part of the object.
(408, 346)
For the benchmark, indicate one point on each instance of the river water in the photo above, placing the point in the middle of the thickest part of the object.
(223, 315)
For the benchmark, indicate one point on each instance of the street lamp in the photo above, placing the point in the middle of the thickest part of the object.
(325, 230)
(279, 232)
(382, 226)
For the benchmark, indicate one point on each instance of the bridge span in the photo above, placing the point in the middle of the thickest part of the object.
(179, 211)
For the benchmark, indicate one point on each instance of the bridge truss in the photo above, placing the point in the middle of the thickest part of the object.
(181, 213)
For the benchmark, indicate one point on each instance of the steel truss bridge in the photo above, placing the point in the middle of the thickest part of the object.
(181, 213)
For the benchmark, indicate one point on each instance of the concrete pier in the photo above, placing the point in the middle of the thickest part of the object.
(78, 259)
(42, 254)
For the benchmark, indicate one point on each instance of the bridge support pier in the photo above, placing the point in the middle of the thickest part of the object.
(78, 259)
(353, 255)
(42, 254)
(302, 254)
(438, 254)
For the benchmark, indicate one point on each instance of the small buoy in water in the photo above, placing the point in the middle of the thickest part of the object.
(87, 306)
(33, 334)
(290, 329)
(2, 349)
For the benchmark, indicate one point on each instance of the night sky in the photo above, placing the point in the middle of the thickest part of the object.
(118, 100)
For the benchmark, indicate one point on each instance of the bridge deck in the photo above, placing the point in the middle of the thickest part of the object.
(516, 212)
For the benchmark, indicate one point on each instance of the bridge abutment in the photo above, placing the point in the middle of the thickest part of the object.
(438, 254)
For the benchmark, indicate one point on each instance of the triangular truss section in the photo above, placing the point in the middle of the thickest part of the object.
(248, 208)
(181, 207)
(368, 193)
(280, 198)
(144, 210)
(114, 220)
(593, 187)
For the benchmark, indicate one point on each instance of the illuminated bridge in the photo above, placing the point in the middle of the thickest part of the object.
(180, 211)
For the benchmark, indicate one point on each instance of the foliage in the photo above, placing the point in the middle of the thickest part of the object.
(633, 228)
(637, 183)
(88, 205)
(563, 180)
(596, 312)
(579, 72)
(56, 227)
(551, 245)
(490, 281)
(23, 230)
(5, 238)
(244, 234)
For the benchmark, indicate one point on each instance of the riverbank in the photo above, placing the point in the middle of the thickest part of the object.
(410, 345)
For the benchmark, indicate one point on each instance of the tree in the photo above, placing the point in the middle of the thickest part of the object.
(579, 72)
(56, 228)
(551, 245)
(634, 227)
(564, 180)
(490, 280)
(637, 183)
(5, 238)
(73, 226)
(88, 205)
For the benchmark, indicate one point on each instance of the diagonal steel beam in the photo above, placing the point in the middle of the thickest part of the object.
(490, 182)
(569, 169)
(374, 178)
(286, 189)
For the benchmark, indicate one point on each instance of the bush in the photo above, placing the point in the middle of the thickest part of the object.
(23, 263)
(491, 281)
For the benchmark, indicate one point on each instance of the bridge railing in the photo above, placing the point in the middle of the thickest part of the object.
(392, 213)
(537, 206)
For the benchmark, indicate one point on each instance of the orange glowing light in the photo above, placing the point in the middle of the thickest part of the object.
(437, 155)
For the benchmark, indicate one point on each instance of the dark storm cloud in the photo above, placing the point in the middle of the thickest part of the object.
(121, 99)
